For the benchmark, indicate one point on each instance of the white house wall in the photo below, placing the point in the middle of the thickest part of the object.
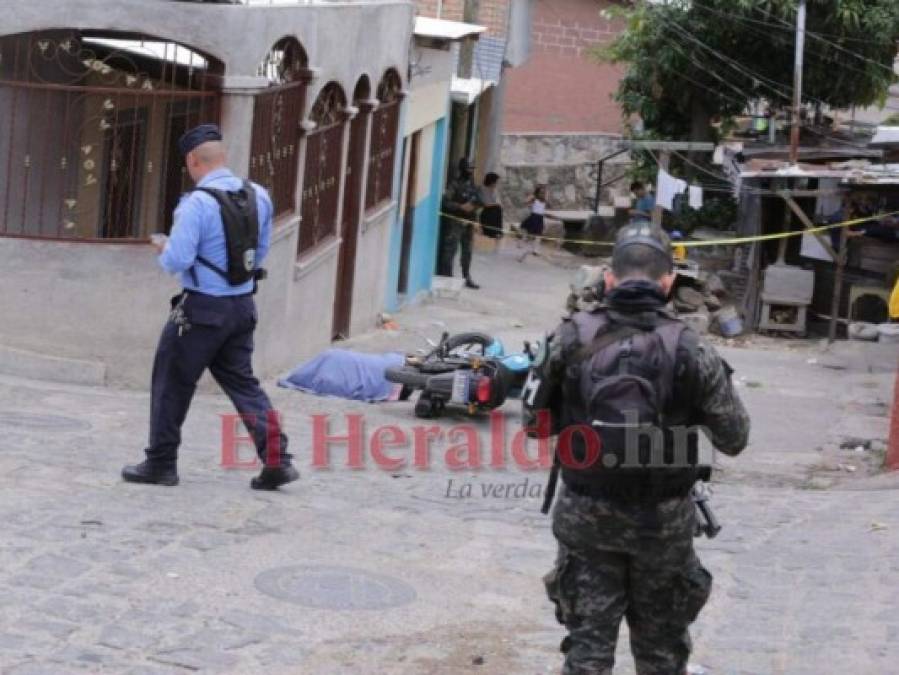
(344, 40)
(432, 72)
(103, 305)
(371, 268)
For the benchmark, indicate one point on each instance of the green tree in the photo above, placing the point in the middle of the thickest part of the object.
(690, 62)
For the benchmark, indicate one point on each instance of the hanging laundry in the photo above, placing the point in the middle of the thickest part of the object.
(667, 188)
(695, 197)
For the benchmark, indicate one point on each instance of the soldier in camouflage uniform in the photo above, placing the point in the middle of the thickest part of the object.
(633, 558)
(461, 202)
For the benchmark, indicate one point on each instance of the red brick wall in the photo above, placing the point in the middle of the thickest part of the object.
(561, 88)
(570, 27)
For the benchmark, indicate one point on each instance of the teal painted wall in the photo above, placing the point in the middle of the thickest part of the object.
(425, 219)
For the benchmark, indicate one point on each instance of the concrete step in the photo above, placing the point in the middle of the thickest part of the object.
(23, 363)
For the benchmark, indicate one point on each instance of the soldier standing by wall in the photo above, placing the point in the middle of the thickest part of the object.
(625, 519)
(460, 202)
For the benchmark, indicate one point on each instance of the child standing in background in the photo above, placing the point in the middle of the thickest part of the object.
(491, 216)
(533, 224)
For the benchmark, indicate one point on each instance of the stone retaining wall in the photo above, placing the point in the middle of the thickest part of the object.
(565, 163)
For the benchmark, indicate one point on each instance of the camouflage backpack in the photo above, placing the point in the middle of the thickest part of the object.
(625, 432)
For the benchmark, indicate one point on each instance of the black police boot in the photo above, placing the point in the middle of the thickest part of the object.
(469, 283)
(151, 473)
(273, 477)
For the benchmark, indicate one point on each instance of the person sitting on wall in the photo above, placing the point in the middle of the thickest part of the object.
(644, 205)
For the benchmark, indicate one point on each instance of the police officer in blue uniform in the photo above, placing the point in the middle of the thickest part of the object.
(213, 320)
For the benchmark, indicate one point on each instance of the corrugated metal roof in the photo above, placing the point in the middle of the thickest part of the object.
(488, 58)
(467, 90)
(442, 29)
(885, 136)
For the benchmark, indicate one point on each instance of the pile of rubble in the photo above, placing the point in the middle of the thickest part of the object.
(699, 298)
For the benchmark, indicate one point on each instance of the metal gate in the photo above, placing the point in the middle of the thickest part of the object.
(277, 112)
(274, 151)
(321, 183)
(385, 129)
(88, 148)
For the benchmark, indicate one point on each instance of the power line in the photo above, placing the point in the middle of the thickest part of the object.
(731, 188)
(758, 77)
(740, 93)
(727, 60)
(788, 27)
(782, 90)
(824, 58)
(819, 36)
(746, 72)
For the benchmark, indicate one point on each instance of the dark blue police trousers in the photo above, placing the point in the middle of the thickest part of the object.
(215, 333)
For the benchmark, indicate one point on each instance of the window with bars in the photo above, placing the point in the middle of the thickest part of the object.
(321, 182)
(384, 132)
(91, 121)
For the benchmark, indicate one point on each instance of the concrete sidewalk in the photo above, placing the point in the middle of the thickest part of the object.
(409, 571)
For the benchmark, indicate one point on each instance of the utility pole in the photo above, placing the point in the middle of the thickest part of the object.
(797, 83)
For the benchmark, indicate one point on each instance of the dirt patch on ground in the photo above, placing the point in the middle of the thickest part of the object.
(477, 648)
(853, 460)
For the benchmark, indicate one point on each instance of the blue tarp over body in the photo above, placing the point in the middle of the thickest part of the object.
(345, 374)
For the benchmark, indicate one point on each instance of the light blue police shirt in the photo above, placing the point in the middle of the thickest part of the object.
(198, 230)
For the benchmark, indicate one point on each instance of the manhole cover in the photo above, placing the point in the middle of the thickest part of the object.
(334, 587)
(37, 422)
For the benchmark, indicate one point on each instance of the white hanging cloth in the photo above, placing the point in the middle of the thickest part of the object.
(667, 187)
(695, 197)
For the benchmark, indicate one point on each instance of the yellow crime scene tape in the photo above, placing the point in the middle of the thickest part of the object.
(733, 241)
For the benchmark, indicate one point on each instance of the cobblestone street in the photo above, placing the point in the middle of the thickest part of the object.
(370, 571)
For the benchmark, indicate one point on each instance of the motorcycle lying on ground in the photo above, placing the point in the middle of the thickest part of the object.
(467, 370)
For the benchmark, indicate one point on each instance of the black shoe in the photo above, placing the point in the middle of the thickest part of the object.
(150, 473)
(470, 284)
(273, 477)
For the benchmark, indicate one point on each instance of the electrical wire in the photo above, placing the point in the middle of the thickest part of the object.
(820, 37)
(788, 27)
(783, 93)
(780, 89)
(730, 187)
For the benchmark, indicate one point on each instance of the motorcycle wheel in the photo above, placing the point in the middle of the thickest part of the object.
(428, 408)
(502, 383)
(468, 340)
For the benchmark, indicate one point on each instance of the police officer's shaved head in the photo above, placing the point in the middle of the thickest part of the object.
(210, 153)
(642, 251)
(203, 150)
